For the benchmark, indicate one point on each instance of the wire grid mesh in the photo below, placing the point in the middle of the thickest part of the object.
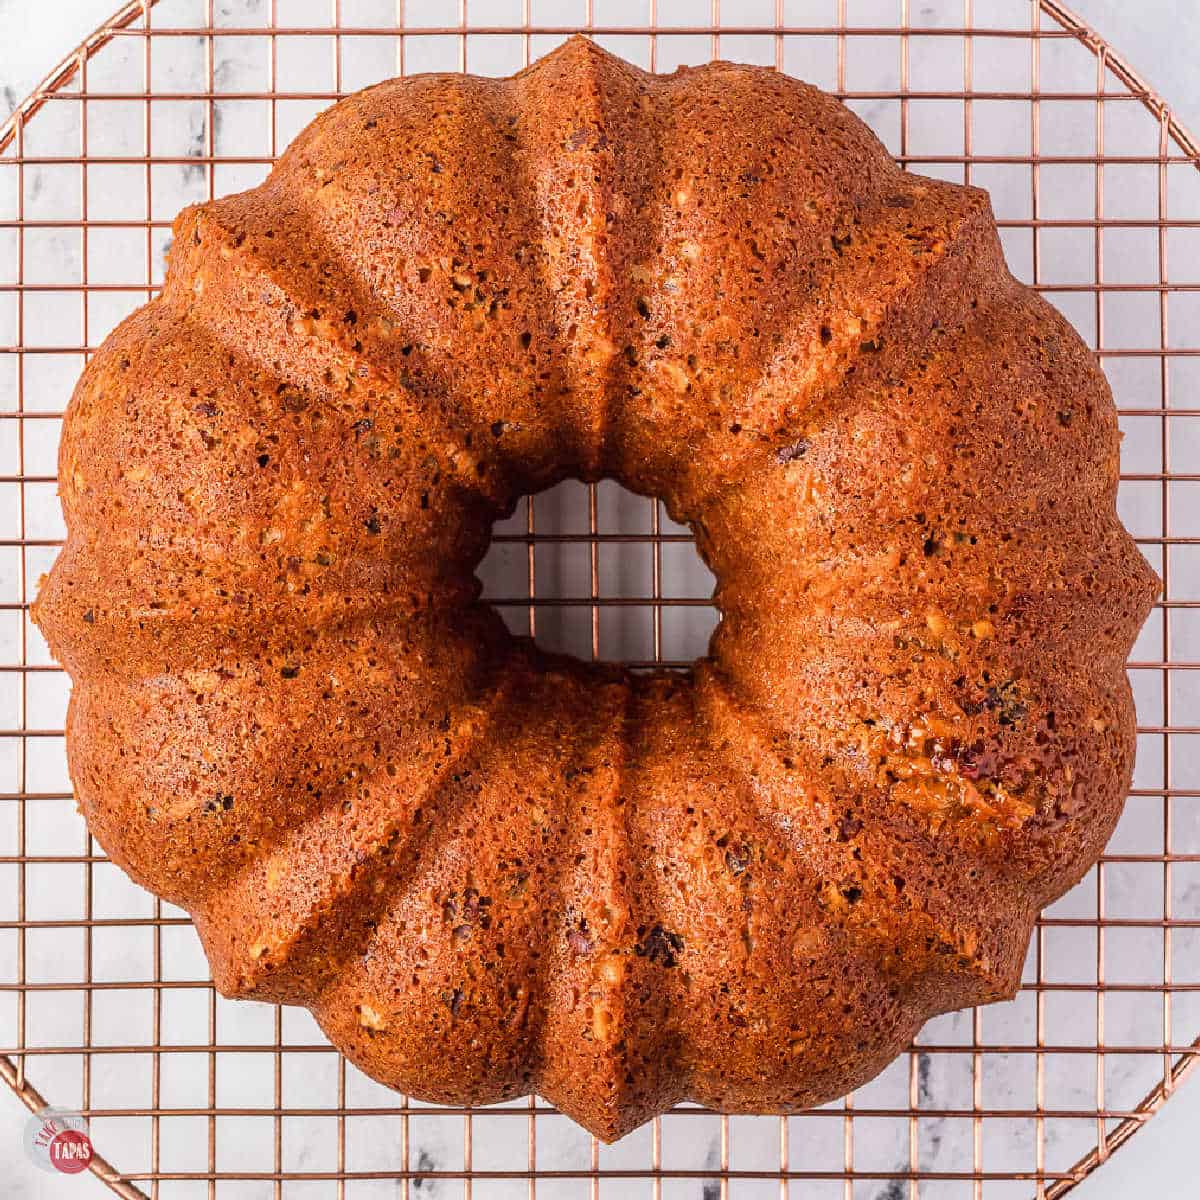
(105, 1002)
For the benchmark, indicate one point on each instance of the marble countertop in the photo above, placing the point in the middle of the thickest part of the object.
(1161, 1161)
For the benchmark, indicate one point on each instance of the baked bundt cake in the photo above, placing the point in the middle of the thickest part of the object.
(488, 870)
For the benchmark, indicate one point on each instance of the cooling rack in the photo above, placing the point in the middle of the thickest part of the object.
(105, 1002)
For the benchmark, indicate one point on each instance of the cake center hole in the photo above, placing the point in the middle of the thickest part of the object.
(595, 571)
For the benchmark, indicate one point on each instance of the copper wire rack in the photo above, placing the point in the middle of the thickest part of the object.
(105, 1000)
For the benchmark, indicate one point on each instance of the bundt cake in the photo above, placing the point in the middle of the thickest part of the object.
(488, 870)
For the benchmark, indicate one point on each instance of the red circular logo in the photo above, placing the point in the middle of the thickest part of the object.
(70, 1151)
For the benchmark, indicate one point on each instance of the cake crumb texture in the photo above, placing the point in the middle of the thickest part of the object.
(488, 870)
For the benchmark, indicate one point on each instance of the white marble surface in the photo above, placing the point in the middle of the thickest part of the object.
(1159, 1162)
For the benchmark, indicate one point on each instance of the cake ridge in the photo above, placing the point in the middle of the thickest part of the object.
(493, 105)
(849, 341)
(352, 891)
(349, 360)
(887, 921)
(206, 801)
(515, 921)
(599, 924)
(576, 131)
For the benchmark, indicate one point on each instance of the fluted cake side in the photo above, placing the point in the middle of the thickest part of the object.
(488, 870)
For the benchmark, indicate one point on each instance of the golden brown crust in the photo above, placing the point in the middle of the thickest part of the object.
(488, 871)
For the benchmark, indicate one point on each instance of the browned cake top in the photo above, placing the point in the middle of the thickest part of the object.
(489, 871)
